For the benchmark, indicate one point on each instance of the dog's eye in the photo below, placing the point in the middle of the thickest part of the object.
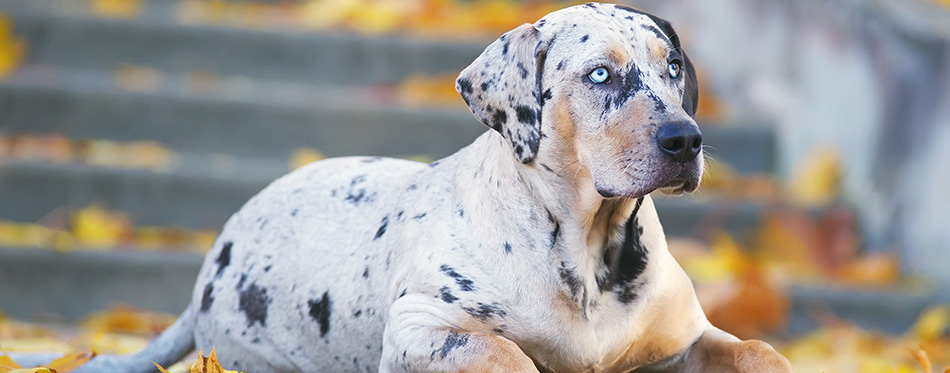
(675, 69)
(599, 75)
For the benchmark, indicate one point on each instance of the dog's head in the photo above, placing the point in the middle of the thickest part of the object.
(602, 89)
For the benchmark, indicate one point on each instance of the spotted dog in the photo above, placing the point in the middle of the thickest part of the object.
(535, 248)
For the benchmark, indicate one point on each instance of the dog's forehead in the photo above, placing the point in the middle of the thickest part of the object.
(624, 21)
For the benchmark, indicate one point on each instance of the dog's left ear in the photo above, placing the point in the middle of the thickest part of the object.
(502, 87)
(691, 93)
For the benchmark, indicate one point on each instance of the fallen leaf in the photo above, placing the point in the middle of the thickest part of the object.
(71, 361)
(818, 179)
(128, 320)
(304, 156)
(932, 323)
(922, 358)
(208, 364)
(12, 49)
(95, 227)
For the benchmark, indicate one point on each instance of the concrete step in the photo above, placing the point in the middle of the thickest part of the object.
(40, 284)
(62, 35)
(202, 194)
(269, 119)
(239, 117)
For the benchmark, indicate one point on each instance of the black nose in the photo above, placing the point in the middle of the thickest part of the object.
(681, 141)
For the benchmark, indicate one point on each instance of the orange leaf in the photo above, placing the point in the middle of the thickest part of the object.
(160, 367)
(922, 358)
(6, 362)
(71, 361)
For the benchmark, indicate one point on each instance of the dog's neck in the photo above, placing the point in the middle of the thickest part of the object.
(583, 226)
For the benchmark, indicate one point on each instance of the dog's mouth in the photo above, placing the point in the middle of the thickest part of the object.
(680, 183)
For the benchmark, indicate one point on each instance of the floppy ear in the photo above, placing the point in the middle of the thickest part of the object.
(691, 91)
(502, 88)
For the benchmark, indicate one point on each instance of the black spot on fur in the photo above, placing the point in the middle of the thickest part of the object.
(464, 283)
(584, 38)
(507, 248)
(267, 268)
(484, 86)
(419, 216)
(622, 273)
(240, 283)
(465, 86)
(452, 341)
(382, 228)
(546, 96)
(591, 5)
(560, 65)
(555, 233)
(403, 293)
(628, 85)
(254, 302)
(294, 213)
(484, 311)
(526, 115)
(658, 104)
(207, 298)
(357, 313)
(498, 119)
(522, 70)
(355, 194)
(504, 48)
(224, 258)
(320, 312)
(570, 279)
(446, 294)
(366, 272)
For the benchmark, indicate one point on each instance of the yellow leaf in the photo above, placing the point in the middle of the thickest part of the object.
(6, 363)
(208, 364)
(117, 8)
(71, 361)
(12, 49)
(932, 323)
(128, 320)
(95, 227)
(922, 359)
(304, 156)
(160, 368)
(818, 179)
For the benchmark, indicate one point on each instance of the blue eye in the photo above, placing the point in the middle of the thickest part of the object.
(599, 75)
(675, 69)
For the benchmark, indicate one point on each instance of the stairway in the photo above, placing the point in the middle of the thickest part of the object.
(270, 92)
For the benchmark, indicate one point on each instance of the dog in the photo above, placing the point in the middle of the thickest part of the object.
(536, 248)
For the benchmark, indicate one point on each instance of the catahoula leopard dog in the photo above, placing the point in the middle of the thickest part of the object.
(535, 248)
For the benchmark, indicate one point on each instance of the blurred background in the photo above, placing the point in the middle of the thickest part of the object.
(131, 129)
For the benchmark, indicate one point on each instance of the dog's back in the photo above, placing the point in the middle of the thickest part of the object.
(265, 286)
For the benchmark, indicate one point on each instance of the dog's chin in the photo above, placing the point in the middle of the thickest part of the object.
(676, 186)
(679, 186)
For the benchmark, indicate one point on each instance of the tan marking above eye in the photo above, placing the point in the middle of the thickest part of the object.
(657, 50)
(617, 54)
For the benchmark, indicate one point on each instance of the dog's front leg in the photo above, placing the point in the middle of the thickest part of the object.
(417, 340)
(718, 351)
